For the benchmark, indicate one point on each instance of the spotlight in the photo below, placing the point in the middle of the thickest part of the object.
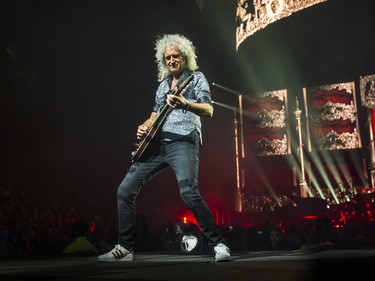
(182, 236)
(189, 243)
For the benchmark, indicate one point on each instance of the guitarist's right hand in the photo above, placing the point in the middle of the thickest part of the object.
(142, 130)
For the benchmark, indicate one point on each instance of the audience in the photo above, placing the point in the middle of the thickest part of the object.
(7, 248)
(272, 238)
(80, 243)
(293, 238)
(100, 240)
(45, 221)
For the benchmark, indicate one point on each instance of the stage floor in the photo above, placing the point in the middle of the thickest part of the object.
(316, 264)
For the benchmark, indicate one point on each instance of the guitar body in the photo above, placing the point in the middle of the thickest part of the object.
(148, 145)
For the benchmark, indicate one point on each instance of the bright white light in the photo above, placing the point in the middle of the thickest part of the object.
(189, 242)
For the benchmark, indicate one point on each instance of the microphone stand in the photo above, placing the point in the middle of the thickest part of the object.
(367, 89)
(240, 173)
(302, 184)
(238, 205)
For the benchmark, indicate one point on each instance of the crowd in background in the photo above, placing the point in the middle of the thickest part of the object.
(39, 222)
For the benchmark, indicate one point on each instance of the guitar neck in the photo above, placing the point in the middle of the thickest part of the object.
(166, 108)
(144, 144)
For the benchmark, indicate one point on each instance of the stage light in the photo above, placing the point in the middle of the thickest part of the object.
(181, 235)
(189, 243)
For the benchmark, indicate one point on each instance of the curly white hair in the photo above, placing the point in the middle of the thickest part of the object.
(179, 42)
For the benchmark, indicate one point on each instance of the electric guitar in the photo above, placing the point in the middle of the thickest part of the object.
(145, 147)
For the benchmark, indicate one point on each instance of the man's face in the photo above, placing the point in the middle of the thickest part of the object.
(174, 60)
(275, 237)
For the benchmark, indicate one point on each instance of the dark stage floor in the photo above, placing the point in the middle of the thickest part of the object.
(313, 264)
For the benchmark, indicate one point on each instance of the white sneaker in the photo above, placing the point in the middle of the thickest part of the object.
(118, 253)
(222, 252)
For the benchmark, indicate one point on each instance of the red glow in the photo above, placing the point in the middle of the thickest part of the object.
(187, 217)
(310, 217)
(92, 227)
(222, 217)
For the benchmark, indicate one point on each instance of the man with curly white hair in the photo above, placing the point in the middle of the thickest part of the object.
(170, 137)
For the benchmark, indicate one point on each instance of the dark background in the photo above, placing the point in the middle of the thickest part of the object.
(77, 77)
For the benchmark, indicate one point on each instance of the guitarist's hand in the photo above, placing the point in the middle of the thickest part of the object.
(177, 101)
(142, 130)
